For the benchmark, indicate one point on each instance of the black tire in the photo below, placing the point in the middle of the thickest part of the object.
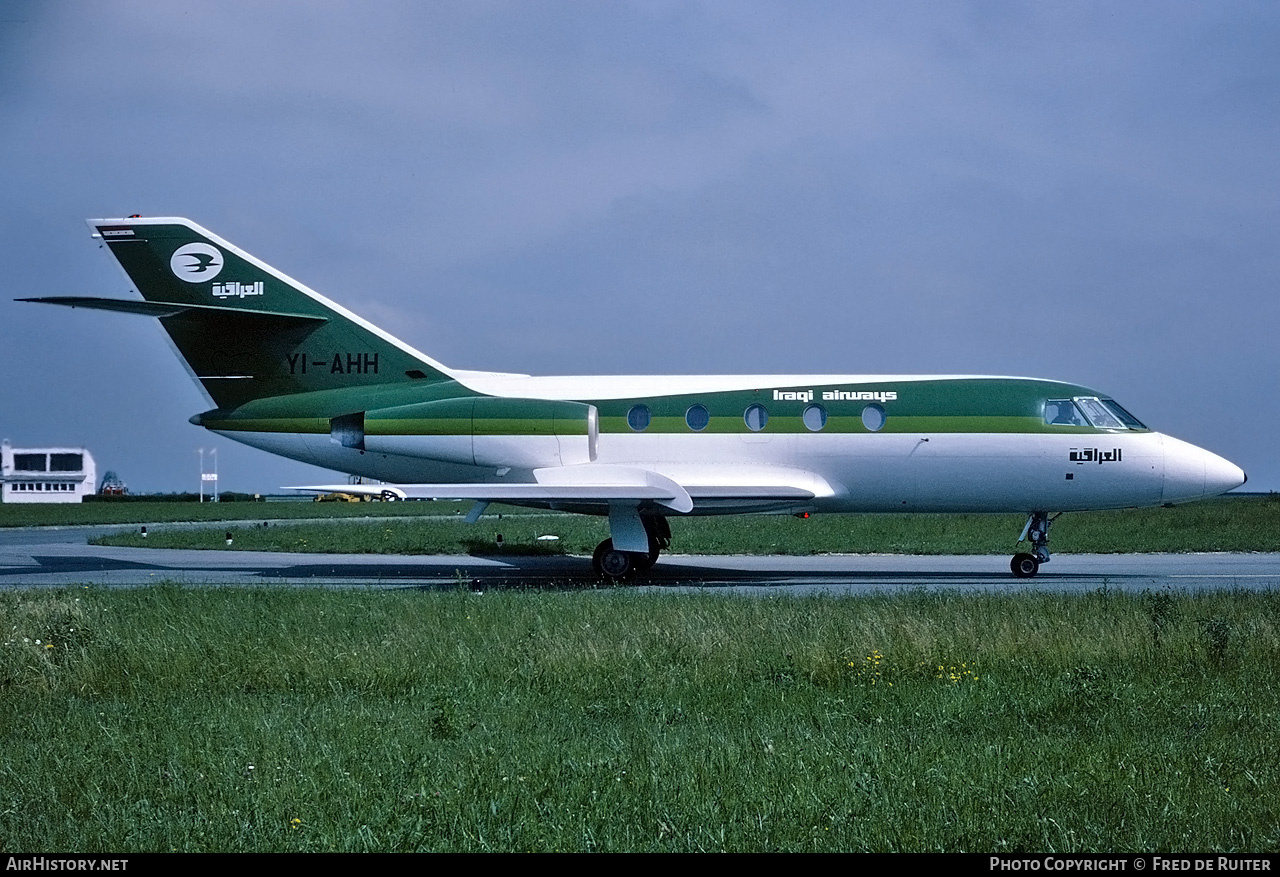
(645, 562)
(611, 564)
(1024, 565)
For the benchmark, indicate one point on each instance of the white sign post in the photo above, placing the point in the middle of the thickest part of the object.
(209, 476)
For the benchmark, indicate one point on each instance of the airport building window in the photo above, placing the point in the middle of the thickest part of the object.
(815, 417)
(873, 417)
(756, 417)
(638, 417)
(66, 462)
(30, 462)
(697, 417)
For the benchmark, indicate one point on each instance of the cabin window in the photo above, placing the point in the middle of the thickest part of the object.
(815, 417)
(638, 417)
(756, 417)
(873, 417)
(1063, 412)
(697, 417)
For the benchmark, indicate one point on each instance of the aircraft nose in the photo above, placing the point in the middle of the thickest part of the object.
(1221, 475)
(1194, 473)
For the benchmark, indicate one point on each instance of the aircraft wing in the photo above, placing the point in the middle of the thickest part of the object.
(559, 484)
(594, 483)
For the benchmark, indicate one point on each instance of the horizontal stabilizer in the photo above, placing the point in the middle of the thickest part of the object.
(166, 309)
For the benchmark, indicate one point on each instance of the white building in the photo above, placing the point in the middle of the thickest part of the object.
(45, 474)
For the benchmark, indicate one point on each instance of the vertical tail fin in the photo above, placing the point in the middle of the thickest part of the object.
(244, 329)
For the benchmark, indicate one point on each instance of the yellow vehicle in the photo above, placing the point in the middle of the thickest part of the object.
(341, 497)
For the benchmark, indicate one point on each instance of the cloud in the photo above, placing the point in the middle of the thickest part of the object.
(1080, 191)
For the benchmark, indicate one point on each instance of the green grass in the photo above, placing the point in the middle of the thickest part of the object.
(1246, 523)
(142, 512)
(228, 719)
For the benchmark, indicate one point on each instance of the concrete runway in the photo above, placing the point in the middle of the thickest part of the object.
(60, 556)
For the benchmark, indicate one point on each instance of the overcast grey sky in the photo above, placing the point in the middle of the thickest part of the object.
(1080, 191)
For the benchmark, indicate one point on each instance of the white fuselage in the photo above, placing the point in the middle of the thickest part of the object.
(924, 472)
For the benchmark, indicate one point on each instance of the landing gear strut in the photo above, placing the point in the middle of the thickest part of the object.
(1024, 565)
(617, 565)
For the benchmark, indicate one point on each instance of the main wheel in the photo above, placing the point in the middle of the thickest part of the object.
(1024, 565)
(645, 562)
(611, 563)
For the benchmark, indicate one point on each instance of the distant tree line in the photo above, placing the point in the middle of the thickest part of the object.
(227, 496)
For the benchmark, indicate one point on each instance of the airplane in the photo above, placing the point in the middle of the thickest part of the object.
(293, 373)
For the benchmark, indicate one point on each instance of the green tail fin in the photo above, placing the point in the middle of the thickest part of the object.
(245, 330)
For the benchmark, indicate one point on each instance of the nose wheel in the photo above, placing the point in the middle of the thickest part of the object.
(1024, 565)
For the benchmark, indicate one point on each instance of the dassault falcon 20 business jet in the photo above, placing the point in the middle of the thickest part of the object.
(291, 372)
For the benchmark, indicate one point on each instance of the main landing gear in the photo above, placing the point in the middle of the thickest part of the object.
(612, 564)
(1024, 565)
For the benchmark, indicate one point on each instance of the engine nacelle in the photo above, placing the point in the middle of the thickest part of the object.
(478, 431)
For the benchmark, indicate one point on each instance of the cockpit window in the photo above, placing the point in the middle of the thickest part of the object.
(1125, 417)
(1063, 412)
(1089, 411)
(1099, 415)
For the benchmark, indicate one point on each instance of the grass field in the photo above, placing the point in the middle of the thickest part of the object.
(183, 719)
(76, 514)
(1242, 523)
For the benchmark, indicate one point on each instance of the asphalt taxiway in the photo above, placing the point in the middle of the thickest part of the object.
(45, 557)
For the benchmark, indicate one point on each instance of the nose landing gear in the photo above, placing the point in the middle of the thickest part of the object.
(1024, 565)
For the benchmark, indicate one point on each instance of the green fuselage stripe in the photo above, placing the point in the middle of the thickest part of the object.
(658, 426)
(962, 405)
